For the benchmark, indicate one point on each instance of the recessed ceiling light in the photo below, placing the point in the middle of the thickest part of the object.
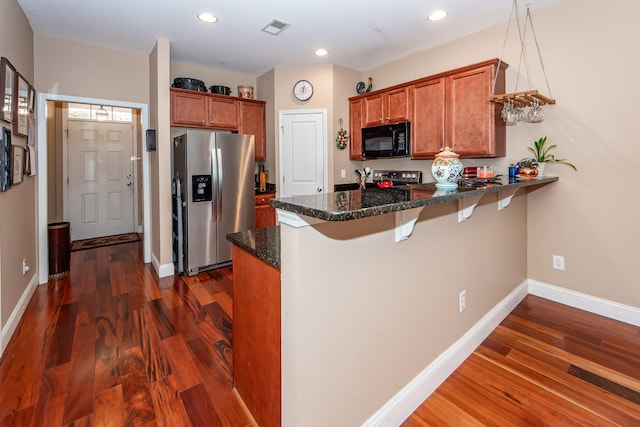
(437, 15)
(207, 17)
(322, 52)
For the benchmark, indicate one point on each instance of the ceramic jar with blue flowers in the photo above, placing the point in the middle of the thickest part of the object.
(446, 168)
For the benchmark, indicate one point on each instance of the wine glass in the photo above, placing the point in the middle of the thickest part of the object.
(535, 114)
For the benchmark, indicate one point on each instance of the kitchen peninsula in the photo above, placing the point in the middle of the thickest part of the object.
(369, 285)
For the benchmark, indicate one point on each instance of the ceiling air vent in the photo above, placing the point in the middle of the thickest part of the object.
(275, 27)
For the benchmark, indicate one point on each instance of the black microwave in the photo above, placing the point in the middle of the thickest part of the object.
(390, 140)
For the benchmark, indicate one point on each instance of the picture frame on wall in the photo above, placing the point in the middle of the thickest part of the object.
(17, 164)
(5, 159)
(7, 89)
(21, 106)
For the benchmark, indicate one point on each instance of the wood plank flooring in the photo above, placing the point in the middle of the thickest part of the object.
(111, 345)
(546, 365)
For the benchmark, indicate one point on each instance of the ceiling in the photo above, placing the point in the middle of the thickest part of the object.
(358, 34)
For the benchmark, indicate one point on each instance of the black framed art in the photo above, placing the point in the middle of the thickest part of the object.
(7, 89)
(5, 159)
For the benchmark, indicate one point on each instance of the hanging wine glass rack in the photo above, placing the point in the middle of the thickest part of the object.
(522, 99)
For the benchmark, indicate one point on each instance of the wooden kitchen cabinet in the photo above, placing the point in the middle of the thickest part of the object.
(256, 337)
(212, 111)
(188, 108)
(198, 109)
(473, 126)
(222, 113)
(265, 214)
(427, 124)
(252, 122)
(391, 106)
(355, 129)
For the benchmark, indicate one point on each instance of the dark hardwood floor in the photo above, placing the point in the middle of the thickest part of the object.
(546, 365)
(111, 345)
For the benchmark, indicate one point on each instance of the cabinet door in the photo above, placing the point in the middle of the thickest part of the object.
(252, 122)
(265, 214)
(396, 105)
(471, 119)
(372, 110)
(355, 129)
(188, 109)
(223, 113)
(427, 126)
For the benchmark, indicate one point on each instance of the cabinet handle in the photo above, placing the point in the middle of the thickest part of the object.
(204, 122)
(388, 119)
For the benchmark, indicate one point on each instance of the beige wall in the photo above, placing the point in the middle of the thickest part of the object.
(18, 204)
(362, 315)
(590, 216)
(266, 91)
(77, 69)
(213, 76)
(160, 160)
(344, 86)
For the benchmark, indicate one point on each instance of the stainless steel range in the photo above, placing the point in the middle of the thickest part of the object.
(397, 177)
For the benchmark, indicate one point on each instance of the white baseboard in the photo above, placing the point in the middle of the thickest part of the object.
(600, 306)
(411, 396)
(163, 270)
(12, 323)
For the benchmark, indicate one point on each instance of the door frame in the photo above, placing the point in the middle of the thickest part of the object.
(325, 151)
(65, 165)
(42, 175)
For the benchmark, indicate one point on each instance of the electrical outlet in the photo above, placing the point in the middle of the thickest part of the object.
(558, 262)
(343, 173)
(462, 299)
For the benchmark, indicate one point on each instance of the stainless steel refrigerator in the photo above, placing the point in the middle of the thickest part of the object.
(214, 195)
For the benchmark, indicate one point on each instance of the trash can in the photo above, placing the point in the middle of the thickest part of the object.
(59, 249)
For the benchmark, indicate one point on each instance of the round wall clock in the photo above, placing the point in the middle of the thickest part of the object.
(303, 90)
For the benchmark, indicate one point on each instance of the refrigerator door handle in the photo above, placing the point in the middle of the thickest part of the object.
(220, 182)
(214, 184)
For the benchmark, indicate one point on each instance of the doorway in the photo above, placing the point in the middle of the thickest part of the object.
(43, 173)
(303, 152)
(100, 178)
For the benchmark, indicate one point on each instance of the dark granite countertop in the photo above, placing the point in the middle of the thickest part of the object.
(264, 243)
(270, 188)
(356, 204)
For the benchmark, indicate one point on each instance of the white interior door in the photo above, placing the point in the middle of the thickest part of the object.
(303, 147)
(100, 179)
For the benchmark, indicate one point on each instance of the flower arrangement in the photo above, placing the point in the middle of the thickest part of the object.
(342, 139)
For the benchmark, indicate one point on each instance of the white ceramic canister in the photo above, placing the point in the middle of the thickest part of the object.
(446, 168)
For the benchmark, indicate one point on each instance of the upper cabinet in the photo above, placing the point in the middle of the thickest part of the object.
(448, 109)
(188, 108)
(252, 122)
(474, 127)
(389, 106)
(212, 111)
(427, 124)
(355, 129)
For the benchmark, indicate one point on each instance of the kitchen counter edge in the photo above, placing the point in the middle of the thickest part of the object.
(303, 205)
(264, 243)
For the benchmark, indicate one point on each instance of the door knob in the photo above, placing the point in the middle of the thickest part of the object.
(129, 184)
(319, 189)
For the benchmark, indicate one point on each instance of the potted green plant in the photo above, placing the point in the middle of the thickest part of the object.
(541, 156)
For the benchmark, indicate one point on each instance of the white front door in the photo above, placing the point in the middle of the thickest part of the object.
(303, 148)
(100, 179)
